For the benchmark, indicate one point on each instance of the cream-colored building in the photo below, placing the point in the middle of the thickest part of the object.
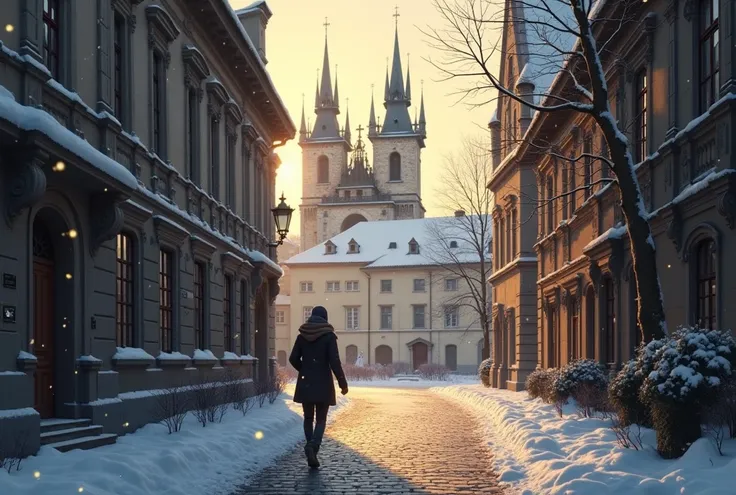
(386, 297)
(283, 328)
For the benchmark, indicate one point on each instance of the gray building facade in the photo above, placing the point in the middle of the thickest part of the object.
(137, 168)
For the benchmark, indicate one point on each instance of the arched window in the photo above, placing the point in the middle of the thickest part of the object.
(590, 323)
(323, 170)
(550, 205)
(394, 163)
(609, 308)
(384, 355)
(351, 354)
(705, 259)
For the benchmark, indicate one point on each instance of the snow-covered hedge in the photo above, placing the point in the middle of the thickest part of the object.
(539, 384)
(484, 371)
(688, 372)
(578, 374)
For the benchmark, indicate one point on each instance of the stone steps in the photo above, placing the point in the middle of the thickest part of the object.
(70, 434)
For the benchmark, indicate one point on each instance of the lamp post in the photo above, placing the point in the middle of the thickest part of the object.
(282, 217)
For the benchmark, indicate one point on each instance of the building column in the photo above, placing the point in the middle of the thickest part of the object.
(104, 83)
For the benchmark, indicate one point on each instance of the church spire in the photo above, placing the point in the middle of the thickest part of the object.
(325, 88)
(386, 90)
(422, 118)
(316, 96)
(396, 100)
(408, 80)
(326, 106)
(347, 124)
(337, 94)
(303, 126)
(396, 84)
(372, 126)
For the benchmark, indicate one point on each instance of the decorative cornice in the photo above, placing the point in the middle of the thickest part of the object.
(168, 232)
(195, 62)
(201, 248)
(162, 22)
(250, 134)
(233, 112)
(217, 92)
(135, 215)
(231, 262)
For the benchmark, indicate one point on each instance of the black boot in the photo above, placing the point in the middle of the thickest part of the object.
(311, 452)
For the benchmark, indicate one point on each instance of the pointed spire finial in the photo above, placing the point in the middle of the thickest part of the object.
(326, 25)
(396, 16)
(303, 126)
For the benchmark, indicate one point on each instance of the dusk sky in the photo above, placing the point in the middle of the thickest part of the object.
(360, 38)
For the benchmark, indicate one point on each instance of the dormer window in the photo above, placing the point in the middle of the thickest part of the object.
(392, 245)
(413, 247)
(353, 247)
(453, 244)
(330, 247)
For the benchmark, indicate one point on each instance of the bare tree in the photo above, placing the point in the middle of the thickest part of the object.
(460, 244)
(568, 43)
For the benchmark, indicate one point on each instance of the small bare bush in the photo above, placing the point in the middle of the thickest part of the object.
(434, 372)
(589, 398)
(401, 368)
(276, 386)
(171, 407)
(261, 389)
(205, 400)
(12, 448)
(384, 372)
(289, 372)
(628, 435)
(359, 373)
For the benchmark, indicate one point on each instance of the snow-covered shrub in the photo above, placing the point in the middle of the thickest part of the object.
(171, 406)
(689, 372)
(578, 376)
(359, 373)
(484, 371)
(401, 368)
(539, 383)
(623, 392)
(384, 372)
(430, 371)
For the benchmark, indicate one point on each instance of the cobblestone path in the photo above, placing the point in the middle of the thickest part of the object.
(390, 441)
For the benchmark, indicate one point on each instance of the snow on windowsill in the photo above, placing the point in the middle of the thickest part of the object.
(694, 188)
(89, 359)
(12, 373)
(247, 357)
(230, 356)
(131, 353)
(203, 355)
(26, 356)
(612, 233)
(17, 413)
(172, 356)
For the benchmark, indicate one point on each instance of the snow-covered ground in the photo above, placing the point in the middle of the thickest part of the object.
(537, 452)
(404, 382)
(214, 460)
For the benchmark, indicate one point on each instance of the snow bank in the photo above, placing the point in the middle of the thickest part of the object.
(535, 452)
(205, 355)
(402, 382)
(27, 356)
(214, 460)
(172, 356)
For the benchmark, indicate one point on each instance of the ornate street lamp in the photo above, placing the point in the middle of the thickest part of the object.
(282, 217)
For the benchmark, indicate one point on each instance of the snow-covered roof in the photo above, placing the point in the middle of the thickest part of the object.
(282, 300)
(385, 244)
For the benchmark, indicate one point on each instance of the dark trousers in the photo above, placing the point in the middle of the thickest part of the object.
(315, 424)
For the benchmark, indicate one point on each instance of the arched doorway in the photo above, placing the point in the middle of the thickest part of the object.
(419, 354)
(281, 357)
(53, 306)
(351, 354)
(351, 221)
(384, 355)
(451, 357)
(590, 323)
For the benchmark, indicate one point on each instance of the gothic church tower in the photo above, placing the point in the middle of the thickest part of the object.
(339, 186)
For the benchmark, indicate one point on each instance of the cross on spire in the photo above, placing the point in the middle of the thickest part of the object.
(326, 25)
(396, 15)
(360, 129)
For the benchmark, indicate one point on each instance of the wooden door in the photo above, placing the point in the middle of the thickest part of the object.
(43, 335)
(351, 354)
(451, 357)
(420, 354)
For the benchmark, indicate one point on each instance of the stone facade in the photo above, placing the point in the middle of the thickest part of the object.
(139, 180)
(340, 188)
(569, 270)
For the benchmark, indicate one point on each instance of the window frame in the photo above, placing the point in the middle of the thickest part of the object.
(383, 284)
(352, 313)
(394, 167)
(386, 310)
(455, 280)
(706, 284)
(641, 114)
(307, 312)
(125, 275)
(227, 313)
(280, 317)
(353, 283)
(335, 286)
(453, 313)
(166, 267)
(609, 318)
(414, 312)
(244, 316)
(213, 178)
(323, 169)
(423, 285)
(51, 52)
(158, 104)
(708, 31)
(306, 286)
(199, 275)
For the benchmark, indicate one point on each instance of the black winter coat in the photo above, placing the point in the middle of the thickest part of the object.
(316, 360)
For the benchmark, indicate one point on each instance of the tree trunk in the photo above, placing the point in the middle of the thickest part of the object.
(486, 338)
(650, 306)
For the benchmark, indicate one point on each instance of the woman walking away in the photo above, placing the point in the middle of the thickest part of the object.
(316, 358)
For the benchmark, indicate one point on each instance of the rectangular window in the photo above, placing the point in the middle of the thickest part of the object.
(452, 317)
(280, 317)
(192, 134)
(333, 286)
(709, 53)
(641, 116)
(230, 161)
(352, 286)
(420, 285)
(51, 43)
(419, 316)
(199, 275)
(214, 178)
(305, 287)
(386, 285)
(120, 52)
(306, 312)
(451, 284)
(387, 317)
(352, 321)
(244, 337)
(514, 228)
(227, 309)
(587, 167)
(166, 299)
(125, 290)
(159, 107)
